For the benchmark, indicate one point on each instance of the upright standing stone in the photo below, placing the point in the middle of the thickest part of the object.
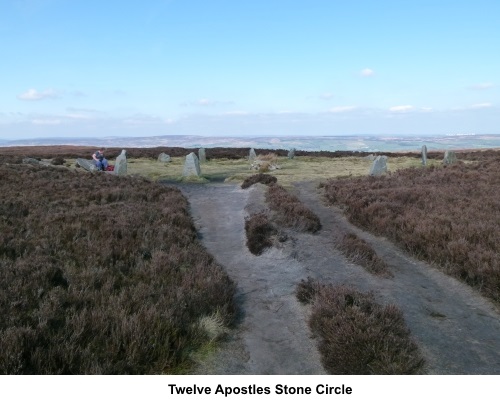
(121, 164)
(449, 157)
(424, 155)
(252, 155)
(202, 155)
(164, 158)
(191, 166)
(379, 166)
(291, 153)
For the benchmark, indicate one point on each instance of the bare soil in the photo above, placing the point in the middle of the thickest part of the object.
(457, 330)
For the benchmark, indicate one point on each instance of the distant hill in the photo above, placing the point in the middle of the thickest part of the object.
(364, 143)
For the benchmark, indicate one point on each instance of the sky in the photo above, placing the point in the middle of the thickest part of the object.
(87, 68)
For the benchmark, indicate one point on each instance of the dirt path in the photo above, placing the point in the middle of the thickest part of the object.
(457, 330)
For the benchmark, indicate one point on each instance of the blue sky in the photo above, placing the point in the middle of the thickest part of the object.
(82, 68)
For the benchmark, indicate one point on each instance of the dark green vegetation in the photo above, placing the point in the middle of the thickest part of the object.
(360, 252)
(446, 215)
(356, 334)
(101, 275)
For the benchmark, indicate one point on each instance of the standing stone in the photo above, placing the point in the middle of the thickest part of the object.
(449, 157)
(121, 164)
(191, 166)
(202, 155)
(379, 166)
(164, 158)
(424, 155)
(291, 153)
(252, 155)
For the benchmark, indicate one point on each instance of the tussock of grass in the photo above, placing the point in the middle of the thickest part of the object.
(290, 211)
(360, 252)
(101, 275)
(356, 334)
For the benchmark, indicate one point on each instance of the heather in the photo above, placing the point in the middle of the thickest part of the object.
(102, 275)
(290, 211)
(446, 215)
(357, 335)
(260, 232)
(258, 178)
(360, 252)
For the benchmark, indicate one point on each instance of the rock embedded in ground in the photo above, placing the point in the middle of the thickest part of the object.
(164, 158)
(86, 164)
(291, 153)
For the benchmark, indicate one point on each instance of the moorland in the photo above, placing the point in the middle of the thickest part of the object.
(103, 274)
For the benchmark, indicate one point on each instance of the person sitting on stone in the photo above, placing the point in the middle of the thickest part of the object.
(99, 160)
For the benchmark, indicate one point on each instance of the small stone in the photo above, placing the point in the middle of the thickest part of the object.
(164, 158)
(291, 153)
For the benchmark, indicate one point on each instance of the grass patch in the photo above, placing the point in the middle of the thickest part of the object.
(258, 178)
(357, 335)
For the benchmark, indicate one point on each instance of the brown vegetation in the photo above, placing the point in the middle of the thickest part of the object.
(101, 275)
(360, 252)
(258, 178)
(290, 211)
(259, 231)
(356, 334)
(447, 215)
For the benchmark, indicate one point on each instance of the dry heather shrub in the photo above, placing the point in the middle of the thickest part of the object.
(360, 252)
(259, 232)
(359, 336)
(306, 290)
(290, 211)
(448, 216)
(100, 275)
(269, 157)
(258, 178)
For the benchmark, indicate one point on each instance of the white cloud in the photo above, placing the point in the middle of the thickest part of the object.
(481, 86)
(236, 113)
(326, 96)
(341, 109)
(402, 108)
(46, 121)
(367, 72)
(33, 94)
(481, 105)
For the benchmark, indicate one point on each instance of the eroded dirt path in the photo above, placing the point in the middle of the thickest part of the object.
(457, 330)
